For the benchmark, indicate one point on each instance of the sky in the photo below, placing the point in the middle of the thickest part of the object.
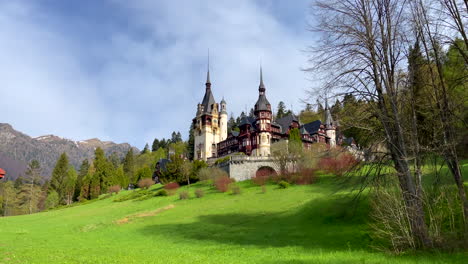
(132, 71)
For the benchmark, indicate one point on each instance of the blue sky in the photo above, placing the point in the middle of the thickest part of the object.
(130, 71)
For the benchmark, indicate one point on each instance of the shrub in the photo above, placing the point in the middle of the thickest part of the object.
(304, 176)
(199, 193)
(260, 179)
(236, 189)
(145, 183)
(222, 183)
(206, 174)
(338, 164)
(132, 195)
(283, 184)
(161, 192)
(105, 196)
(114, 189)
(172, 186)
(222, 160)
(52, 200)
(184, 195)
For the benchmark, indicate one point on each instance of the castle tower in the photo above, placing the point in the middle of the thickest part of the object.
(330, 128)
(206, 126)
(263, 117)
(223, 120)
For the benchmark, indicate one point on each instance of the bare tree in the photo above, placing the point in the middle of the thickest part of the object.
(362, 48)
(453, 17)
(186, 169)
(430, 38)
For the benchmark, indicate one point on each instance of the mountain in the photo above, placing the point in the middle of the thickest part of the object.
(18, 149)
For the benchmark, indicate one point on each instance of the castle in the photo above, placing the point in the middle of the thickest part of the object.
(257, 133)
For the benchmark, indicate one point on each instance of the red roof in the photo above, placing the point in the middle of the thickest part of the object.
(2, 172)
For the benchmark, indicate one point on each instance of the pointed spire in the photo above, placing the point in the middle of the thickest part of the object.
(328, 116)
(261, 87)
(208, 69)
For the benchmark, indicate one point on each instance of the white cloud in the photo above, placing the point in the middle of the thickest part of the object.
(150, 76)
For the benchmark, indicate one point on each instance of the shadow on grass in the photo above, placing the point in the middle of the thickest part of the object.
(329, 224)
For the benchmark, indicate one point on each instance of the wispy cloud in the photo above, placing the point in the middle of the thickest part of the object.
(145, 76)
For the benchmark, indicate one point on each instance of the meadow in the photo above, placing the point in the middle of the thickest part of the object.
(302, 224)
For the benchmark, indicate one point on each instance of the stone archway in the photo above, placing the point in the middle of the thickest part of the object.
(265, 171)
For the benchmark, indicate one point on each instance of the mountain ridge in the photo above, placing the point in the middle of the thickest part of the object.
(18, 149)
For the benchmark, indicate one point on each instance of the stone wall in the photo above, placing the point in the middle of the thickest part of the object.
(243, 168)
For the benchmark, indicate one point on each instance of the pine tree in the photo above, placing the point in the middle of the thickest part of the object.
(129, 165)
(173, 137)
(19, 182)
(281, 110)
(178, 137)
(79, 181)
(231, 123)
(69, 184)
(191, 144)
(295, 141)
(164, 143)
(145, 149)
(59, 175)
(155, 145)
(103, 170)
(120, 177)
(114, 160)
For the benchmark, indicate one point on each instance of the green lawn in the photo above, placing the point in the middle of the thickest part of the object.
(301, 224)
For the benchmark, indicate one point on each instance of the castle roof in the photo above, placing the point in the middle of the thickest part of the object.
(312, 127)
(328, 116)
(247, 120)
(208, 99)
(262, 102)
(286, 121)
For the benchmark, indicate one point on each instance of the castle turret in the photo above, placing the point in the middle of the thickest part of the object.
(206, 124)
(330, 128)
(263, 117)
(223, 120)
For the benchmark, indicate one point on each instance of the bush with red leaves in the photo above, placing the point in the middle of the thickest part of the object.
(305, 176)
(145, 183)
(114, 189)
(301, 177)
(222, 183)
(337, 165)
(172, 186)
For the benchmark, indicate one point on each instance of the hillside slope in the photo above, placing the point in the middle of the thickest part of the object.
(18, 149)
(301, 224)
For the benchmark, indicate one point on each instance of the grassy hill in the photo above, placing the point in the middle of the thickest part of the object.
(301, 224)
